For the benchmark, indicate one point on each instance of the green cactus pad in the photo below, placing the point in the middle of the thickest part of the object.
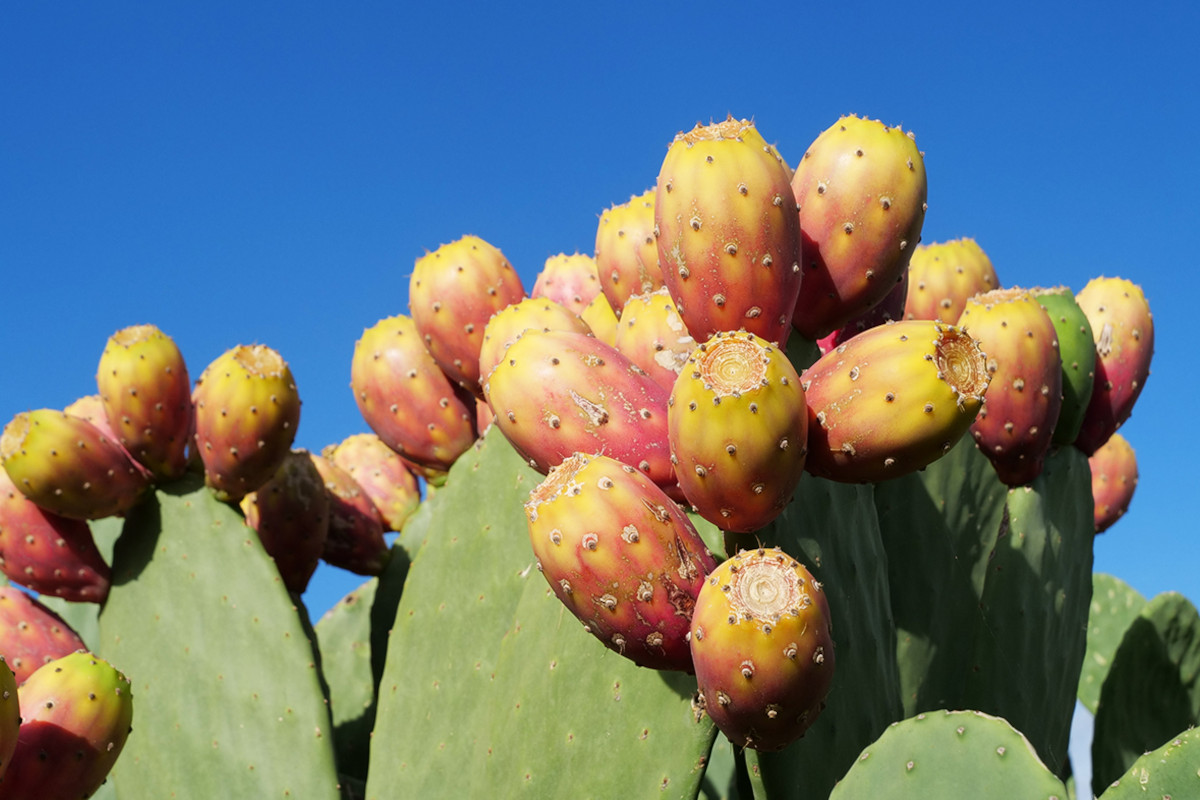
(344, 637)
(950, 754)
(1169, 771)
(84, 618)
(1115, 605)
(230, 702)
(492, 688)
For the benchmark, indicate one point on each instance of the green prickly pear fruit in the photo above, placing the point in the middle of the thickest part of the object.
(1114, 479)
(532, 313)
(944, 275)
(355, 540)
(891, 400)
(147, 398)
(569, 280)
(727, 230)
(1024, 396)
(1077, 349)
(601, 319)
(76, 714)
(247, 409)
(762, 646)
(381, 474)
(10, 717)
(652, 335)
(31, 634)
(453, 292)
(861, 189)
(889, 309)
(626, 252)
(621, 555)
(1123, 330)
(68, 466)
(738, 428)
(405, 397)
(290, 513)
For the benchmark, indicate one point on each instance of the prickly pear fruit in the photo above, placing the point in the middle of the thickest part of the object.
(31, 634)
(91, 408)
(762, 648)
(48, 553)
(247, 410)
(621, 555)
(76, 714)
(405, 397)
(539, 314)
(569, 280)
(891, 400)
(290, 513)
(1123, 329)
(652, 335)
(861, 190)
(601, 319)
(355, 540)
(1024, 396)
(738, 428)
(626, 252)
(944, 275)
(557, 393)
(452, 294)
(10, 717)
(68, 466)
(147, 397)
(889, 309)
(1114, 479)
(381, 474)
(1077, 349)
(728, 234)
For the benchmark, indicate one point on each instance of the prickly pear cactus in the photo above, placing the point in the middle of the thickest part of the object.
(1169, 771)
(1115, 605)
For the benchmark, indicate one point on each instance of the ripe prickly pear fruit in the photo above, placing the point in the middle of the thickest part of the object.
(889, 309)
(1123, 329)
(381, 474)
(1077, 349)
(569, 280)
(48, 553)
(355, 540)
(728, 235)
(762, 648)
(247, 410)
(861, 190)
(891, 400)
(1024, 395)
(532, 313)
(626, 252)
(652, 335)
(558, 393)
(621, 555)
(290, 513)
(68, 466)
(147, 398)
(10, 717)
(944, 275)
(452, 294)
(738, 428)
(31, 634)
(601, 319)
(1114, 479)
(76, 714)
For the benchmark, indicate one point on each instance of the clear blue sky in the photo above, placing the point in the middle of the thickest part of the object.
(241, 173)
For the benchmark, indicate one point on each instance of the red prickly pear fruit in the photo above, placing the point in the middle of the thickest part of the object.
(68, 466)
(558, 393)
(601, 319)
(452, 294)
(652, 335)
(626, 252)
(1123, 329)
(147, 398)
(1077, 349)
(728, 234)
(290, 513)
(861, 190)
(405, 397)
(889, 309)
(10, 717)
(91, 408)
(532, 313)
(31, 634)
(355, 540)
(763, 650)
(891, 400)
(943, 276)
(48, 553)
(381, 474)
(1114, 479)
(621, 555)
(76, 713)
(569, 280)
(1016, 423)
(738, 428)
(247, 410)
